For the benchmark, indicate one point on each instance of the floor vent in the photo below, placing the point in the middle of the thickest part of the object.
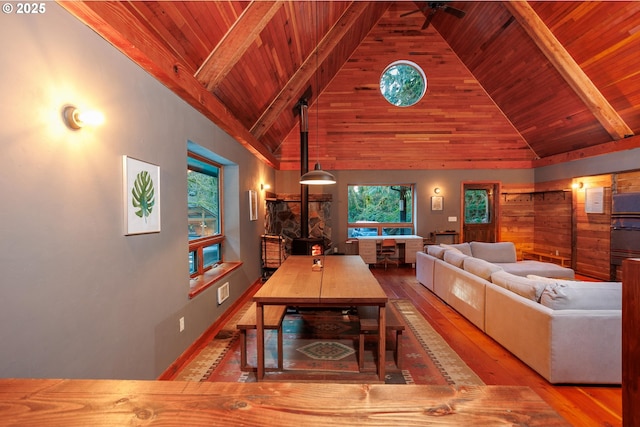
(223, 293)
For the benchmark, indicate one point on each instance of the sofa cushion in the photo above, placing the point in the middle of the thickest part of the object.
(480, 267)
(538, 268)
(494, 252)
(454, 257)
(523, 286)
(436, 251)
(465, 248)
(578, 295)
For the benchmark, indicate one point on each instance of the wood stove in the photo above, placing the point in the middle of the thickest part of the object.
(307, 246)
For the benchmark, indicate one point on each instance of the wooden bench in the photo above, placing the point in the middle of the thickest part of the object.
(541, 256)
(273, 315)
(369, 324)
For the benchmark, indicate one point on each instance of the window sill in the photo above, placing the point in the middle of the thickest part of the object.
(200, 283)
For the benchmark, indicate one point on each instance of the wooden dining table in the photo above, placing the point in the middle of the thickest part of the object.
(342, 281)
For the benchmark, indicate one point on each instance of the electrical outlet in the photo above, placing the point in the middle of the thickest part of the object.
(181, 324)
(453, 219)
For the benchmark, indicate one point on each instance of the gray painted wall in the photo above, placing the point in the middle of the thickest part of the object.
(449, 181)
(78, 298)
(616, 162)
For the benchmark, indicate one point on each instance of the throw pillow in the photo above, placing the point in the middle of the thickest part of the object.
(454, 257)
(436, 251)
(570, 295)
(462, 247)
(530, 289)
(480, 267)
(543, 279)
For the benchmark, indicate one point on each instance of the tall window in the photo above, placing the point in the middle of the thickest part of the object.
(204, 181)
(380, 210)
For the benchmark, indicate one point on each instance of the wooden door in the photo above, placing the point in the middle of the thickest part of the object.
(480, 212)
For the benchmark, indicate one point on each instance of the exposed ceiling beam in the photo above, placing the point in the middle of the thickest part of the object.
(596, 150)
(569, 69)
(116, 24)
(236, 41)
(297, 83)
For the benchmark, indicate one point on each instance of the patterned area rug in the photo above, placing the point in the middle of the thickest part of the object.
(327, 341)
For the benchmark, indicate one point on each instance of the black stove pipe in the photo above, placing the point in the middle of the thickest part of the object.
(304, 168)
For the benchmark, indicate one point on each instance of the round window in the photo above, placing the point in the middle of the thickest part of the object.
(403, 83)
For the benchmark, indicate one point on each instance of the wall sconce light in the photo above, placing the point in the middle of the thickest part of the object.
(76, 118)
(577, 185)
(265, 187)
(437, 190)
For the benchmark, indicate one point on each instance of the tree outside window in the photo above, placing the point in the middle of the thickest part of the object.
(403, 83)
(380, 210)
(203, 214)
(476, 207)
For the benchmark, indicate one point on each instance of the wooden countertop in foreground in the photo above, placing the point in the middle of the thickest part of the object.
(50, 402)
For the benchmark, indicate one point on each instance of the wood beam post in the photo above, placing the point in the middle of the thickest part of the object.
(235, 42)
(303, 75)
(569, 69)
(117, 25)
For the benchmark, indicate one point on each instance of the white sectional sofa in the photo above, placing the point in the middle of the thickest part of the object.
(566, 330)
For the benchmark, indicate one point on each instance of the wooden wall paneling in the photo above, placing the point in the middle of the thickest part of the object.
(550, 217)
(593, 249)
(553, 220)
(592, 232)
(517, 216)
(557, 185)
(454, 117)
(553, 230)
(627, 182)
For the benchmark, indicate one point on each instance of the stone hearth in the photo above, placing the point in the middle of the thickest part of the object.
(282, 217)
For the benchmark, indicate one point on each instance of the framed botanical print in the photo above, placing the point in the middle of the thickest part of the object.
(141, 196)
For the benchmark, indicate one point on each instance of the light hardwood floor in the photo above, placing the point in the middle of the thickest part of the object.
(582, 406)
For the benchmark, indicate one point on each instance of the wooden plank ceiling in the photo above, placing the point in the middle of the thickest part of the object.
(510, 84)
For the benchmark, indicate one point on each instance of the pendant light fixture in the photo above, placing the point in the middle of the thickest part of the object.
(317, 176)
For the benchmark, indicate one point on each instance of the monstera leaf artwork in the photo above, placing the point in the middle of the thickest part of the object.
(141, 196)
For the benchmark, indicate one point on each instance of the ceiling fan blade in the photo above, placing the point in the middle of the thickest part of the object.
(453, 11)
(429, 18)
(410, 13)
